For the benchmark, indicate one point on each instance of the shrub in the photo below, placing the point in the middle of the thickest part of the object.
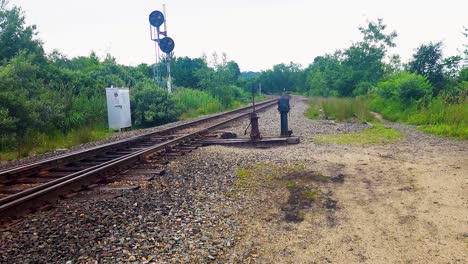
(405, 86)
(241, 95)
(152, 105)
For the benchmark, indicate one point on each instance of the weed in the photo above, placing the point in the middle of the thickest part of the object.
(311, 194)
(292, 185)
(245, 176)
(313, 112)
(243, 173)
(301, 216)
(376, 134)
(231, 193)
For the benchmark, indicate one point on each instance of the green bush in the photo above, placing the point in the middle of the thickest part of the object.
(405, 86)
(152, 105)
(241, 95)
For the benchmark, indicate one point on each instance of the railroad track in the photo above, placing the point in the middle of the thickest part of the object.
(28, 187)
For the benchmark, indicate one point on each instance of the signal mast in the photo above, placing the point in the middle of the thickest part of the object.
(166, 44)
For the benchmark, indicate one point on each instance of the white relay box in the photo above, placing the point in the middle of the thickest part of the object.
(118, 108)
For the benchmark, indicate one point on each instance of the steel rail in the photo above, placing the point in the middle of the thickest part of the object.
(24, 200)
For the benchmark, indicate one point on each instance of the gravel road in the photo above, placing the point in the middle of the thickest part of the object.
(403, 202)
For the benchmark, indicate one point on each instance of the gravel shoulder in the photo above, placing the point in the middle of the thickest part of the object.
(402, 202)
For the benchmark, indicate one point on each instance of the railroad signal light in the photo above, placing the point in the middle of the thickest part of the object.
(166, 45)
(156, 18)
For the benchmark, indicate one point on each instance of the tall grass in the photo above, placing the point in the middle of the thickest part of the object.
(39, 143)
(194, 103)
(437, 117)
(339, 109)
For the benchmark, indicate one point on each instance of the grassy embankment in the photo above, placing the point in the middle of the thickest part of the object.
(450, 120)
(191, 103)
(42, 143)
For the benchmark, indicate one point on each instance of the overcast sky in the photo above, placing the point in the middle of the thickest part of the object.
(257, 34)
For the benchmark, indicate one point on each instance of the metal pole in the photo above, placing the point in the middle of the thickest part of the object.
(169, 83)
(165, 18)
(168, 55)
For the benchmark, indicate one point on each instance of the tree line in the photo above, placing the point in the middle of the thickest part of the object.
(361, 69)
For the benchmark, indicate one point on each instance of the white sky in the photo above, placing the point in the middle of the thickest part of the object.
(255, 33)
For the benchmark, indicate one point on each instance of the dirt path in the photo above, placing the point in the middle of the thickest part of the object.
(404, 202)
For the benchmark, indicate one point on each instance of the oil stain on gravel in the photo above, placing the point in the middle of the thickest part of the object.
(307, 190)
(305, 195)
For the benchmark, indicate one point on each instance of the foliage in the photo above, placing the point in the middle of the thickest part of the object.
(428, 61)
(194, 103)
(438, 117)
(185, 71)
(283, 77)
(15, 36)
(313, 111)
(465, 52)
(327, 76)
(407, 87)
(152, 105)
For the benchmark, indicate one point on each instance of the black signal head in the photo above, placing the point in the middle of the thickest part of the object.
(167, 45)
(156, 18)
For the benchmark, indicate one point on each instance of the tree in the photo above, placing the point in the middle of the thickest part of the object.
(184, 72)
(354, 70)
(365, 58)
(452, 66)
(287, 77)
(220, 79)
(327, 76)
(234, 70)
(428, 61)
(465, 52)
(14, 35)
